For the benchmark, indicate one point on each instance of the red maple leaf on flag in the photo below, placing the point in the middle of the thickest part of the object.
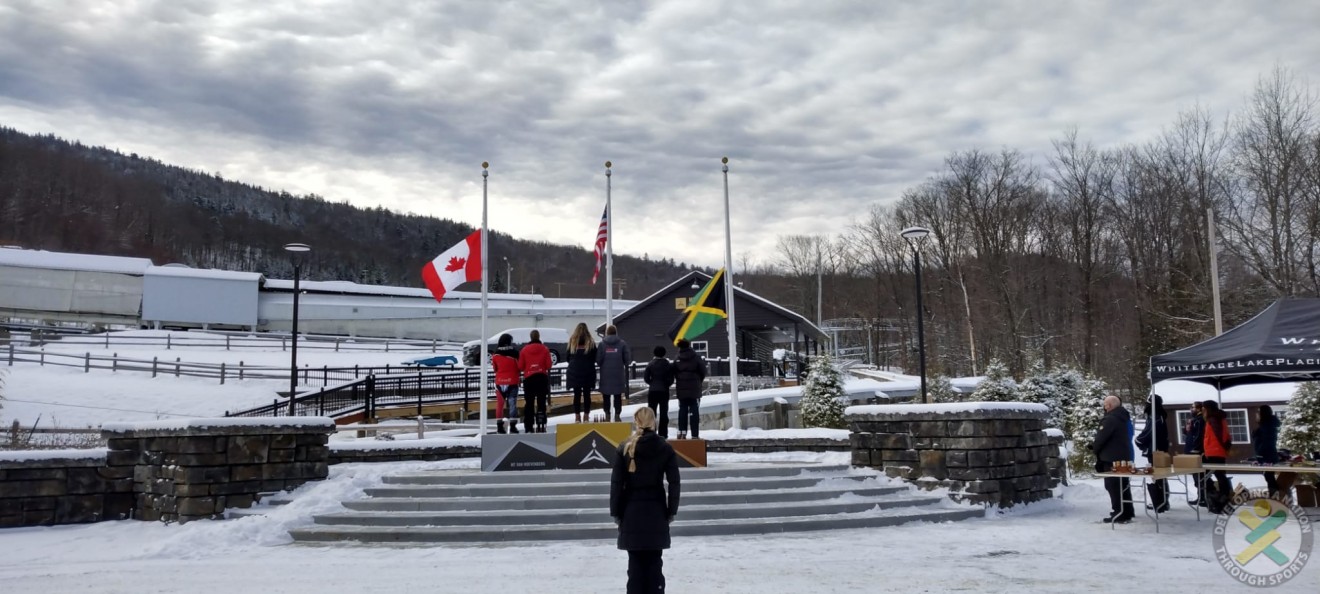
(456, 264)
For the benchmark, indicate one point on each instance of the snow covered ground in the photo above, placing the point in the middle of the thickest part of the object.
(1053, 546)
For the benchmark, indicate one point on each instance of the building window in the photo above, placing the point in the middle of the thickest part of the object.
(701, 347)
(1237, 425)
(1182, 417)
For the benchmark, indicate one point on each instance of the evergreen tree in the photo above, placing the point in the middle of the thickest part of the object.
(822, 396)
(998, 385)
(941, 389)
(1301, 422)
(1056, 388)
(1083, 423)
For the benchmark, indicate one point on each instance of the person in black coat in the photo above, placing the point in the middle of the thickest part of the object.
(1156, 420)
(639, 503)
(1265, 441)
(1194, 432)
(659, 377)
(1113, 443)
(581, 374)
(689, 373)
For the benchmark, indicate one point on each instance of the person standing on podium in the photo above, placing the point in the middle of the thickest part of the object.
(659, 377)
(534, 362)
(505, 362)
(581, 375)
(613, 359)
(689, 374)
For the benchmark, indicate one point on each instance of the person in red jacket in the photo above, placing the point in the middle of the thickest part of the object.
(534, 362)
(1217, 443)
(505, 362)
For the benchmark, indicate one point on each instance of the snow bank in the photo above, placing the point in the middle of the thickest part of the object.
(372, 444)
(29, 455)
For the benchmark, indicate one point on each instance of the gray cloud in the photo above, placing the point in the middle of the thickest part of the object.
(824, 109)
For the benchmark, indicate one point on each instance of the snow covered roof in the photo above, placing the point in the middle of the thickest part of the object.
(68, 261)
(188, 272)
(520, 301)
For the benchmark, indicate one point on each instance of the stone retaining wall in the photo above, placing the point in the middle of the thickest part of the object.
(984, 452)
(62, 487)
(198, 469)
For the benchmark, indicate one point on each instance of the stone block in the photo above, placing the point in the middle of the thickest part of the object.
(1035, 439)
(272, 485)
(83, 481)
(38, 488)
(76, 509)
(117, 458)
(125, 444)
(932, 464)
(248, 449)
(956, 459)
(928, 429)
(193, 489)
(196, 506)
(1026, 454)
(979, 458)
(861, 457)
(313, 439)
(38, 503)
(205, 474)
(970, 429)
(1008, 427)
(234, 488)
(10, 506)
(281, 456)
(969, 474)
(1002, 457)
(247, 472)
(114, 473)
(902, 472)
(39, 517)
(283, 441)
(891, 441)
(202, 444)
(36, 474)
(161, 444)
(240, 501)
(322, 453)
(888, 456)
(196, 459)
(11, 520)
(165, 487)
(117, 506)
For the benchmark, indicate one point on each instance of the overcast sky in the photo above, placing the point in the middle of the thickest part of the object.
(823, 108)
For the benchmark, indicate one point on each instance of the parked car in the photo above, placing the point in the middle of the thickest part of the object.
(433, 361)
(555, 339)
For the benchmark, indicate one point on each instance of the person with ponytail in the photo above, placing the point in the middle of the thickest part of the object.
(641, 505)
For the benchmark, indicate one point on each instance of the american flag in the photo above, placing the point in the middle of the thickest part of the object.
(602, 237)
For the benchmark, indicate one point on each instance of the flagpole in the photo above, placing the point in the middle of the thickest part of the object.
(484, 361)
(609, 250)
(728, 301)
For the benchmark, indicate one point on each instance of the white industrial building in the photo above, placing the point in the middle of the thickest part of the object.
(52, 287)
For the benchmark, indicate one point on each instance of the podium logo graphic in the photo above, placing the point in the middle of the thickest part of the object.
(1263, 542)
(594, 455)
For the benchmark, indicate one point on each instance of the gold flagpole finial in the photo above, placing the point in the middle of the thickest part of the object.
(725, 160)
(608, 164)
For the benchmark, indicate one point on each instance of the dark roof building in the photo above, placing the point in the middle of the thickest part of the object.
(762, 325)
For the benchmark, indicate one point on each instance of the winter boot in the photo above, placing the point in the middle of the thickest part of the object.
(513, 426)
(618, 417)
(499, 426)
(577, 418)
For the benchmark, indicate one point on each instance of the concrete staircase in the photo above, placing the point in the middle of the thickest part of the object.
(474, 507)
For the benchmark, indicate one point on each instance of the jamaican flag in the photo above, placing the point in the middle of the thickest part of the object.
(703, 311)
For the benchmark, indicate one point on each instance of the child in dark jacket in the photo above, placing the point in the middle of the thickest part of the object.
(659, 377)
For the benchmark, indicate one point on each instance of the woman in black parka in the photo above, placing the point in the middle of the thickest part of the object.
(581, 375)
(639, 503)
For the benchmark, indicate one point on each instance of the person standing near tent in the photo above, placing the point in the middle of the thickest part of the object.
(641, 505)
(613, 358)
(1194, 429)
(505, 362)
(659, 377)
(1216, 445)
(534, 362)
(581, 375)
(689, 373)
(1113, 443)
(1156, 421)
(1265, 440)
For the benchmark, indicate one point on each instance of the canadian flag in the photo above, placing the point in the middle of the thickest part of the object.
(458, 265)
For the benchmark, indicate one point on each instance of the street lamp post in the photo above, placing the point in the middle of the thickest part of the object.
(914, 237)
(508, 278)
(297, 250)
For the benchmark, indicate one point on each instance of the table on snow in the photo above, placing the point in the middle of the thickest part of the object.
(1260, 469)
(1180, 475)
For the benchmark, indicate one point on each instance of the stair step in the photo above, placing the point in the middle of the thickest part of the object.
(604, 531)
(469, 477)
(600, 514)
(594, 500)
(602, 486)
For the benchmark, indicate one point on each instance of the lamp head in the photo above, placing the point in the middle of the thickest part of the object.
(297, 248)
(914, 233)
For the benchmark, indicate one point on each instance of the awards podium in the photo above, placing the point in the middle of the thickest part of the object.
(573, 446)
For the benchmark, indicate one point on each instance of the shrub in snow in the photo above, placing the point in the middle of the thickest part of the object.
(941, 389)
(822, 396)
(998, 385)
(1301, 422)
(1056, 388)
(1083, 422)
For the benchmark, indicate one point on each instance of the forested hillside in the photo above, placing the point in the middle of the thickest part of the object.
(63, 196)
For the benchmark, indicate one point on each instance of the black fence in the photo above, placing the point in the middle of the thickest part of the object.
(370, 392)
